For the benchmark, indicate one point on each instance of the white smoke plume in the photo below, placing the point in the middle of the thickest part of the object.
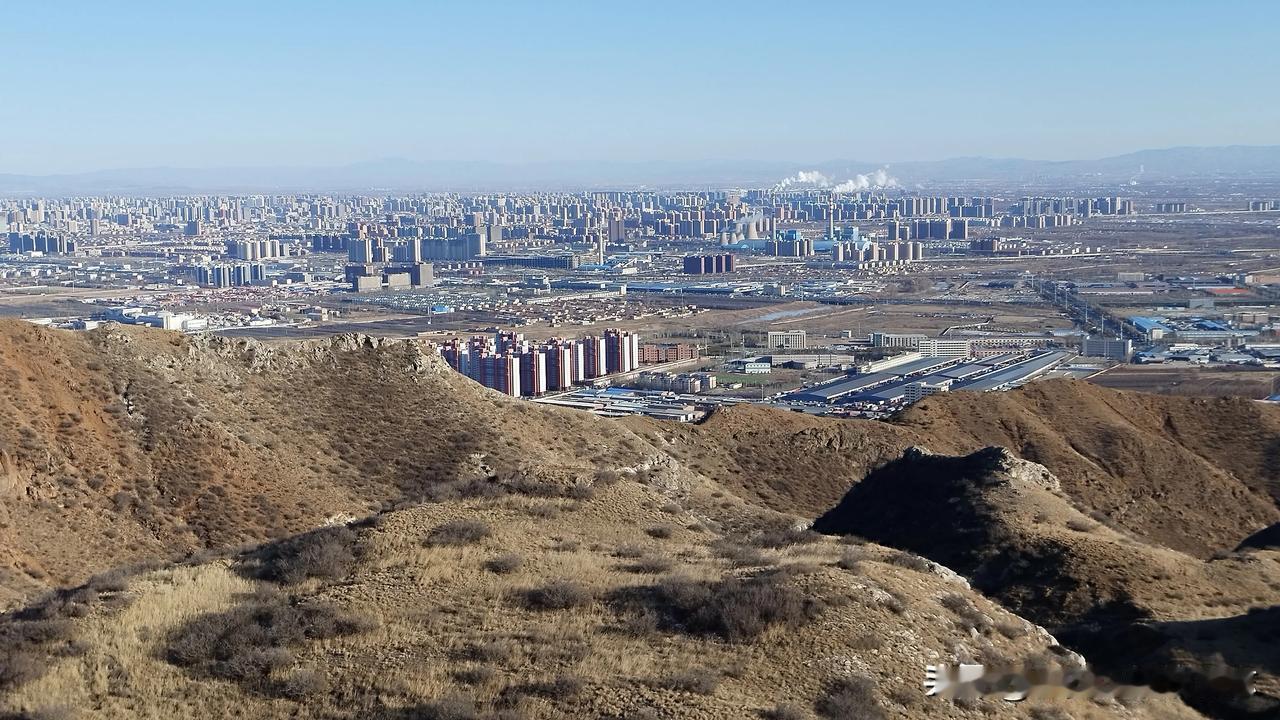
(875, 181)
(813, 179)
(804, 178)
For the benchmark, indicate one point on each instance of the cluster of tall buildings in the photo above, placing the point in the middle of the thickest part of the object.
(708, 264)
(818, 205)
(927, 229)
(41, 242)
(866, 252)
(1020, 246)
(230, 275)
(792, 243)
(1039, 222)
(510, 364)
(373, 265)
(252, 250)
(1083, 207)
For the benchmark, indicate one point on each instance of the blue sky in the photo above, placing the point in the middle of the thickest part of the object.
(91, 86)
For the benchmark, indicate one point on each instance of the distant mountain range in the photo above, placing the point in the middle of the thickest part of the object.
(1235, 161)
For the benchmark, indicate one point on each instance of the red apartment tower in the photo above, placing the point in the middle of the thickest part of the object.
(533, 373)
(594, 361)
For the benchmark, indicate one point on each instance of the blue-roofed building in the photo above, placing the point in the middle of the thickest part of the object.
(1153, 328)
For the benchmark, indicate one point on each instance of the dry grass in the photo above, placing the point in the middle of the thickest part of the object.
(458, 532)
(557, 595)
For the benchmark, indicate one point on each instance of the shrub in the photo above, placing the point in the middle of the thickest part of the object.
(558, 595)
(661, 532)
(851, 560)
(18, 667)
(249, 643)
(849, 697)
(110, 581)
(504, 564)
(544, 511)
(629, 551)
(909, 561)
(304, 683)
(458, 532)
(1011, 629)
(895, 602)
(736, 609)
(28, 644)
(740, 555)
(700, 681)
(328, 553)
(906, 697)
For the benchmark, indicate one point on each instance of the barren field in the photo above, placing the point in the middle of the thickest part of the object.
(1187, 380)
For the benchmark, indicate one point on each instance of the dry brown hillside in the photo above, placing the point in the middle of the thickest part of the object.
(790, 462)
(630, 600)
(128, 445)
(1007, 525)
(1194, 474)
(517, 560)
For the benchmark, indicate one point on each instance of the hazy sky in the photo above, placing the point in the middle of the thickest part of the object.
(93, 85)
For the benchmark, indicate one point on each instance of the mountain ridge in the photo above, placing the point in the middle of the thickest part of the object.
(401, 174)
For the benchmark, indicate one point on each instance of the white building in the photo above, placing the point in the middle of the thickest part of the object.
(914, 392)
(750, 366)
(896, 340)
(787, 339)
(936, 347)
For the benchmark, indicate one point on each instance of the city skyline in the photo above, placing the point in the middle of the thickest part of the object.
(305, 85)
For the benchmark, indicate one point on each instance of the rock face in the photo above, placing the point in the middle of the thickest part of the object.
(1195, 475)
(11, 484)
(1267, 538)
(1005, 524)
